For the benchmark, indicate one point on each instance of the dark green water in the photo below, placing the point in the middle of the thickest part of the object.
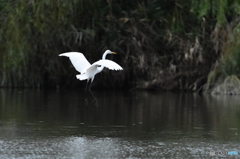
(125, 124)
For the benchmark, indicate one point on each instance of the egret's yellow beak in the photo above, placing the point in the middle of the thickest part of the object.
(113, 52)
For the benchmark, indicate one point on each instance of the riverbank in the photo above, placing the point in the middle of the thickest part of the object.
(160, 44)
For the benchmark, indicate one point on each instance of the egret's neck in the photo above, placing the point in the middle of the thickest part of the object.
(104, 55)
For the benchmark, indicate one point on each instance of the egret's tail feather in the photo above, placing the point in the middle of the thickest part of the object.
(82, 77)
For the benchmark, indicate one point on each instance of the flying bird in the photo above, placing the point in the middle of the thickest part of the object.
(87, 70)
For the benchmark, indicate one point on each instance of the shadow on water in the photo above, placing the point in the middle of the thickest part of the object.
(125, 124)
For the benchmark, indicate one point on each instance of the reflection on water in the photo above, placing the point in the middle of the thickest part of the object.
(126, 124)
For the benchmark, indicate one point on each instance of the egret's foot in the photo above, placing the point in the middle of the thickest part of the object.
(96, 102)
(86, 101)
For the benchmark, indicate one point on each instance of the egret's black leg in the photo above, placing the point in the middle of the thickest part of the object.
(95, 99)
(86, 85)
(86, 99)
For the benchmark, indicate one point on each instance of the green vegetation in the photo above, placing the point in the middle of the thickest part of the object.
(230, 86)
(169, 44)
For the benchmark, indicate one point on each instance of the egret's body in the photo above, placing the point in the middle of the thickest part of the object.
(87, 70)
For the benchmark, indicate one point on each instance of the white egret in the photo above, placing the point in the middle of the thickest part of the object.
(88, 71)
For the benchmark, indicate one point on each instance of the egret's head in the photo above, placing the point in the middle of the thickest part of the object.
(107, 52)
(110, 52)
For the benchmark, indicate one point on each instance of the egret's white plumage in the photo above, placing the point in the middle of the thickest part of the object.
(87, 70)
(78, 60)
(109, 64)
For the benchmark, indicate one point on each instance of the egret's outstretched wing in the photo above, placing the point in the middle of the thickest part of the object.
(78, 60)
(109, 64)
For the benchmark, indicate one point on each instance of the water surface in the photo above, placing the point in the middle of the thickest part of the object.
(125, 124)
